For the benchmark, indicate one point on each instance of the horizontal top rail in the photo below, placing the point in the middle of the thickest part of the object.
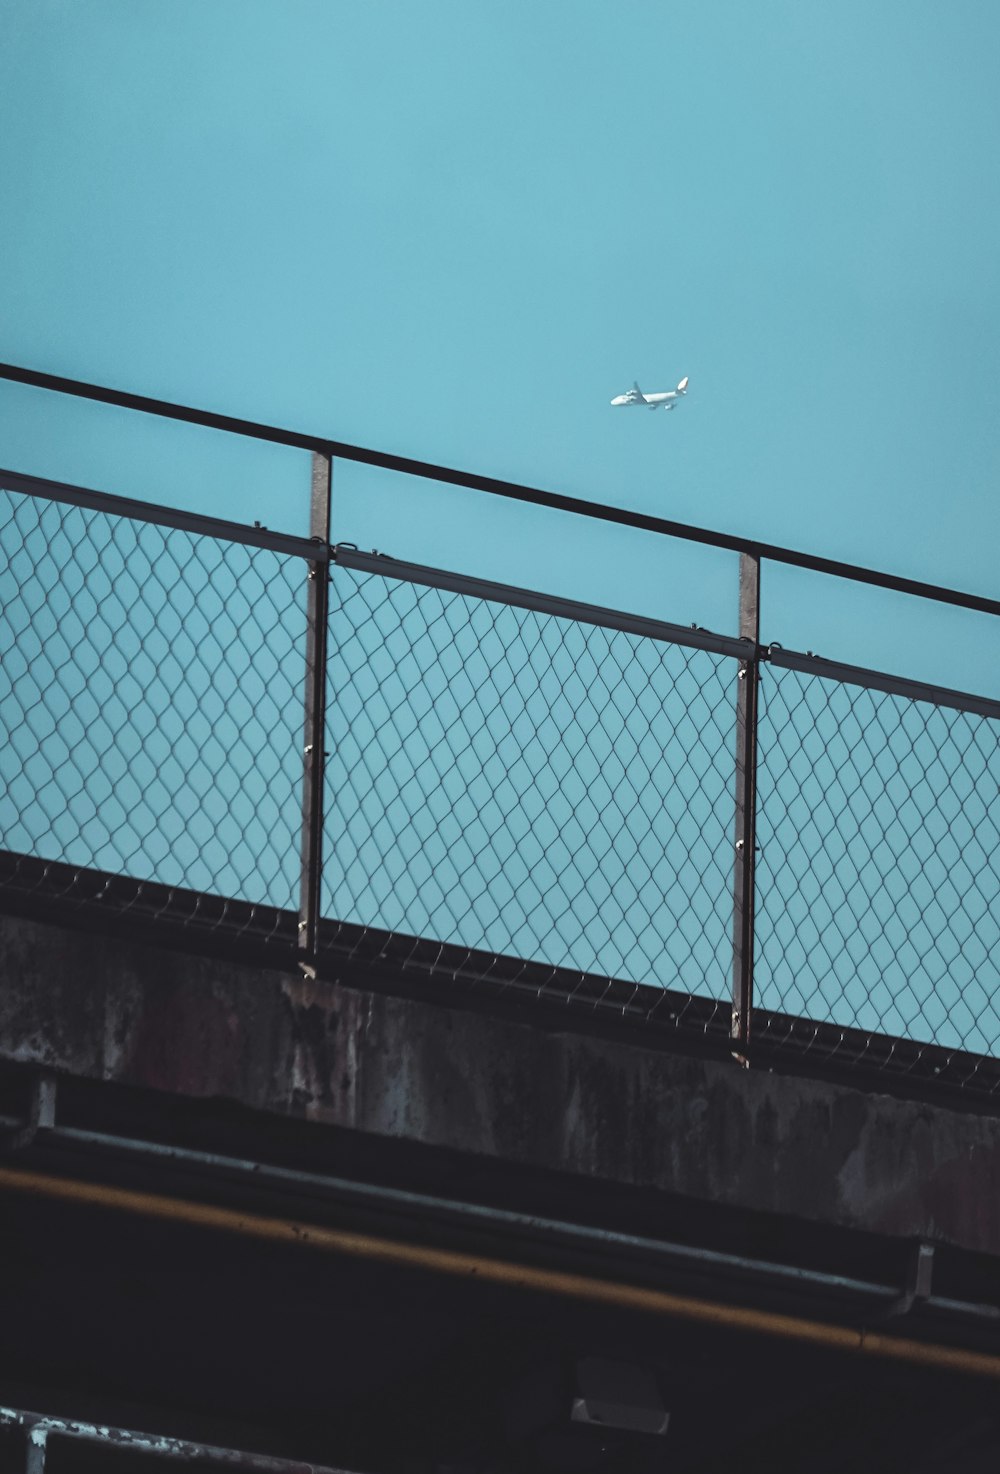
(495, 486)
(123, 506)
(346, 556)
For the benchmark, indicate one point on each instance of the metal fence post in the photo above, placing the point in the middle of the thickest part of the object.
(35, 1447)
(746, 808)
(317, 607)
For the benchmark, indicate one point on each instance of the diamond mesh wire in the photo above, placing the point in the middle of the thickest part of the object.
(518, 785)
(527, 785)
(150, 701)
(878, 881)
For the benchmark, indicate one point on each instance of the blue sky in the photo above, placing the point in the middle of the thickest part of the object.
(455, 230)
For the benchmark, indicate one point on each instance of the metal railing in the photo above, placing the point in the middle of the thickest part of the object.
(333, 753)
(31, 1437)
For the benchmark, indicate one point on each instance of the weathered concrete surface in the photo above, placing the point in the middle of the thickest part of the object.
(406, 1069)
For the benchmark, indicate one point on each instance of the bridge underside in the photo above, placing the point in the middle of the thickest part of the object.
(381, 1228)
(214, 1338)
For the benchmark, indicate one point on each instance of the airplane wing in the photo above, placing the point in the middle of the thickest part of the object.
(638, 391)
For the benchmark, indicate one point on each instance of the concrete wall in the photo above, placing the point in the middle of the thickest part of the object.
(402, 1068)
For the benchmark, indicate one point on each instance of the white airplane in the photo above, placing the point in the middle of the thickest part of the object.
(669, 400)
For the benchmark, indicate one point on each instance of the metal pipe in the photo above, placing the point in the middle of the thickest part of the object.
(402, 1200)
(162, 408)
(476, 1215)
(501, 1272)
(39, 1427)
(497, 487)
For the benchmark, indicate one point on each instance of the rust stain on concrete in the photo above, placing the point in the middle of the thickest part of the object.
(496, 1088)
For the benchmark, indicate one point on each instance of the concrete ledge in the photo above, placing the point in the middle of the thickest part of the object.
(402, 1068)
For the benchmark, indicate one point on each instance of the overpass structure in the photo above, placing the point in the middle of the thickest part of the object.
(445, 1026)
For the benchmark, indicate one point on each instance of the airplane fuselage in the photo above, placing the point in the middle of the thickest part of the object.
(667, 400)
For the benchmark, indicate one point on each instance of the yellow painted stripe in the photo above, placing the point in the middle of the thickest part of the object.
(500, 1272)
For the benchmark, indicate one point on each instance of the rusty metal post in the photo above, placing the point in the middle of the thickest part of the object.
(41, 1114)
(35, 1441)
(317, 609)
(746, 807)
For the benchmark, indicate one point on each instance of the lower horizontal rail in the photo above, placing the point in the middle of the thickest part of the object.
(40, 1427)
(510, 1275)
(692, 636)
(873, 680)
(138, 511)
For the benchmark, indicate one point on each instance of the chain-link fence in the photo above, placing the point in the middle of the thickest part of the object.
(514, 783)
(151, 705)
(517, 789)
(878, 882)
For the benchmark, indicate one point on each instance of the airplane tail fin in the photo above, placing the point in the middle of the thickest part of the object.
(682, 386)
